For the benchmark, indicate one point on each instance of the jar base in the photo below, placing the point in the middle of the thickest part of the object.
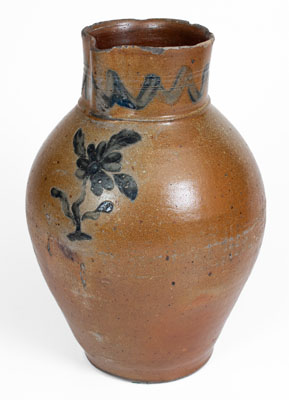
(136, 375)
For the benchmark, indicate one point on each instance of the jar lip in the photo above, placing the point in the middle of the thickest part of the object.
(155, 34)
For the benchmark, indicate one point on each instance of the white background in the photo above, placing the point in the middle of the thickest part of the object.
(41, 72)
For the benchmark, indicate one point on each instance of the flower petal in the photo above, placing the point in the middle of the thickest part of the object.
(93, 168)
(112, 157)
(96, 186)
(100, 150)
(82, 163)
(80, 173)
(100, 181)
(106, 181)
(91, 152)
(112, 167)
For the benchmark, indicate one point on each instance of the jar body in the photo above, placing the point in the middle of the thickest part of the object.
(148, 291)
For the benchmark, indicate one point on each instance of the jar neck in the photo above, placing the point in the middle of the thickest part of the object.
(143, 82)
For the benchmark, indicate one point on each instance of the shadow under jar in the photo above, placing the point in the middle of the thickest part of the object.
(145, 207)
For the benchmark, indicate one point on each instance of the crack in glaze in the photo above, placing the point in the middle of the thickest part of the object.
(82, 273)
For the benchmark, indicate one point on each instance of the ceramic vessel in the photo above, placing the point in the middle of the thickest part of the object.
(145, 207)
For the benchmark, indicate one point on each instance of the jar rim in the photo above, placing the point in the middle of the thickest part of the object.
(154, 34)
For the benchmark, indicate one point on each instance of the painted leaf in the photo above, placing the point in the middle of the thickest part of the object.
(105, 207)
(126, 185)
(124, 138)
(59, 194)
(78, 143)
(91, 215)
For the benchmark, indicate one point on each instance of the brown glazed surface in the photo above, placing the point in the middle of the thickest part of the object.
(147, 280)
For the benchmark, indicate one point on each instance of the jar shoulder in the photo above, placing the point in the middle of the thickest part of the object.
(190, 172)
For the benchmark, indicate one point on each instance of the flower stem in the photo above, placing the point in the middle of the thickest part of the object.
(75, 207)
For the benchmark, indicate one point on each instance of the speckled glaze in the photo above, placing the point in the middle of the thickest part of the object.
(145, 207)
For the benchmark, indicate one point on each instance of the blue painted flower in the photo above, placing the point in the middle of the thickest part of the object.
(94, 163)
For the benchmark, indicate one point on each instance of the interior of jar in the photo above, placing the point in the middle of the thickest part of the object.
(147, 33)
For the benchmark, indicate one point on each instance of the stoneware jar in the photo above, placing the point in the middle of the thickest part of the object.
(145, 206)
